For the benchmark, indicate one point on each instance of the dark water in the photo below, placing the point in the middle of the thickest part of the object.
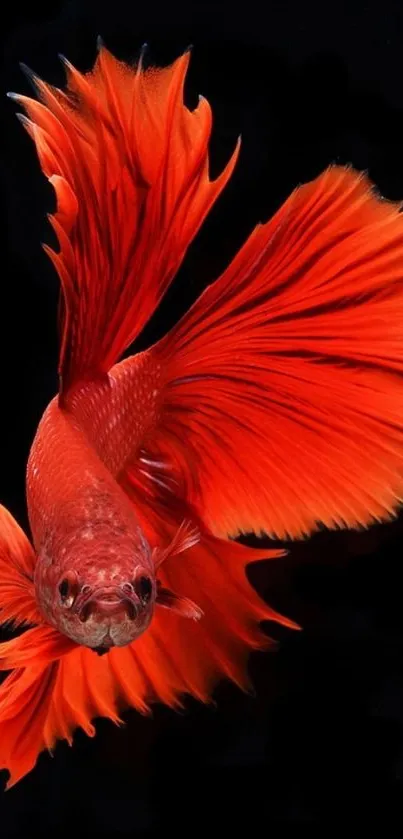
(321, 743)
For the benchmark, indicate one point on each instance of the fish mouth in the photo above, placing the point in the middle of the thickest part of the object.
(109, 602)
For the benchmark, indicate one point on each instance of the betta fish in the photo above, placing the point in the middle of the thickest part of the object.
(273, 407)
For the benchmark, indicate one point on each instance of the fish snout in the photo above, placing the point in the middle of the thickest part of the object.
(108, 614)
(125, 601)
(105, 607)
(111, 603)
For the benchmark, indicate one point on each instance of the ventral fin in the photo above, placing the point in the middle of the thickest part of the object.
(180, 605)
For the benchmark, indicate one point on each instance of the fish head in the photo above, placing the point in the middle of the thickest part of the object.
(100, 604)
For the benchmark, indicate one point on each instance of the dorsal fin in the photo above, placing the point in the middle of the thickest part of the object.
(129, 164)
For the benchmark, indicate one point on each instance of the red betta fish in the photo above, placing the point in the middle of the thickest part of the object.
(274, 406)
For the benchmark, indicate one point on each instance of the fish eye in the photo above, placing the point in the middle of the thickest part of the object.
(144, 588)
(64, 589)
(67, 592)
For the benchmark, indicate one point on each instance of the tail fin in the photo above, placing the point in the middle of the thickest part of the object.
(129, 164)
(283, 401)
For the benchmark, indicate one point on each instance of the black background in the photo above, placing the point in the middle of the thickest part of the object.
(321, 742)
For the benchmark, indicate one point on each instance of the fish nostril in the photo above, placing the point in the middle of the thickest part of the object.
(131, 610)
(85, 612)
(128, 588)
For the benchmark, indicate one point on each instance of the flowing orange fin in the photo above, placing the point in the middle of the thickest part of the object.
(180, 605)
(185, 537)
(212, 576)
(26, 695)
(25, 698)
(55, 688)
(217, 643)
(17, 564)
(129, 164)
(282, 408)
(39, 645)
(33, 656)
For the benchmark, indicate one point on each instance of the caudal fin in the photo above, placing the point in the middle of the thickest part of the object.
(283, 397)
(129, 165)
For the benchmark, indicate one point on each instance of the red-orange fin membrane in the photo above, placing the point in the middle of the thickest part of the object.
(17, 563)
(24, 704)
(192, 658)
(185, 537)
(39, 645)
(283, 396)
(180, 605)
(47, 699)
(129, 164)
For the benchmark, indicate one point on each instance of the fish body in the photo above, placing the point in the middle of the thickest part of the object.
(274, 407)
(94, 575)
